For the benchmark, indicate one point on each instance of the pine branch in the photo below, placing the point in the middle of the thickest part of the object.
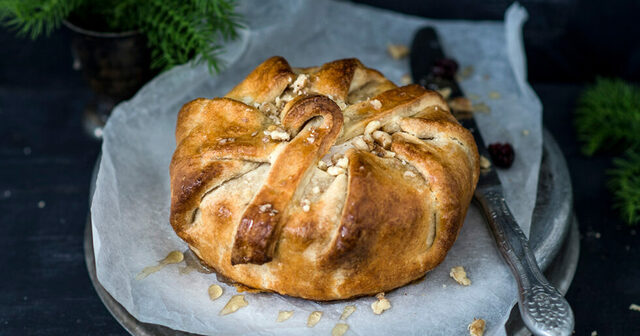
(35, 17)
(608, 115)
(177, 30)
(624, 183)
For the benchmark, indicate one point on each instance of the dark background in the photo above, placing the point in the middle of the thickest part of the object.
(46, 163)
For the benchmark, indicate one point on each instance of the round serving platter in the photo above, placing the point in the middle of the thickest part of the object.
(554, 237)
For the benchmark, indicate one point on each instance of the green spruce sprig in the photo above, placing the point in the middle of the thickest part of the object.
(608, 117)
(34, 17)
(624, 183)
(176, 30)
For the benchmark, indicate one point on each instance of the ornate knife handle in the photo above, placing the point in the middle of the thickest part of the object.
(543, 309)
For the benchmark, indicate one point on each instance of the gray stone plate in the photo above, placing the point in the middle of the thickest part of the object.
(554, 237)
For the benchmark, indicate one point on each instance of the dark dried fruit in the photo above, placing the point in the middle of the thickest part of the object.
(502, 154)
(445, 68)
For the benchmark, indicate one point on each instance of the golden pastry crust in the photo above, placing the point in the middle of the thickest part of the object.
(252, 196)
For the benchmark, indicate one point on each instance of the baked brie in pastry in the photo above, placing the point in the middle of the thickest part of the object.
(323, 183)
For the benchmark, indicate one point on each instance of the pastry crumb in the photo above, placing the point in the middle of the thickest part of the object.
(236, 302)
(525, 132)
(348, 310)
(461, 104)
(314, 318)
(339, 329)
(481, 107)
(215, 291)
(445, 92)
(484, 163)
(315, 190)
(476, 328)
(465, 73)
(634, 307)
(460, 275)
(376, 104)
(284, 315)
(406, 79)
(397, 51)
(381, 305)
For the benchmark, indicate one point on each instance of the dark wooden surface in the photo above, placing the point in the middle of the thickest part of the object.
(45, 169)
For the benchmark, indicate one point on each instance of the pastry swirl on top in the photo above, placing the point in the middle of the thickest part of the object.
(324, 183)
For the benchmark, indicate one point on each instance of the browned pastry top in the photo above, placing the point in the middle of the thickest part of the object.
(324, 183)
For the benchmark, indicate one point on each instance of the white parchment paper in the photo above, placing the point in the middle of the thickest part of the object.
(130, 208)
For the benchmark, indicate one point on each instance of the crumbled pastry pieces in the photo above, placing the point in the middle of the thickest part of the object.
(381, 304)
(236, 302)
(406, 79)
(461, 104)
(525, 132)
(473, 96)
(494, 95)
(634, 307)
(314, 318)
(299, 84)
(215, 291)
(173, 257)
(445, 92)
(397, 51)
(376, 104)
(484, 163)
(460, 275)
(284, 315)
(348, 310)
(340, 329)
(464, 73)
(481, 107)
(476, 328)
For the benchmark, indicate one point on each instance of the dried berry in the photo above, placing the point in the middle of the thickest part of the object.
(502, 154)
(445, 68)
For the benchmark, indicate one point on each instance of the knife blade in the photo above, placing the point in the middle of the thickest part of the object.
(543, 308)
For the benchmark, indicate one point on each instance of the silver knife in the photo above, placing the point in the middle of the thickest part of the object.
(543, 308)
